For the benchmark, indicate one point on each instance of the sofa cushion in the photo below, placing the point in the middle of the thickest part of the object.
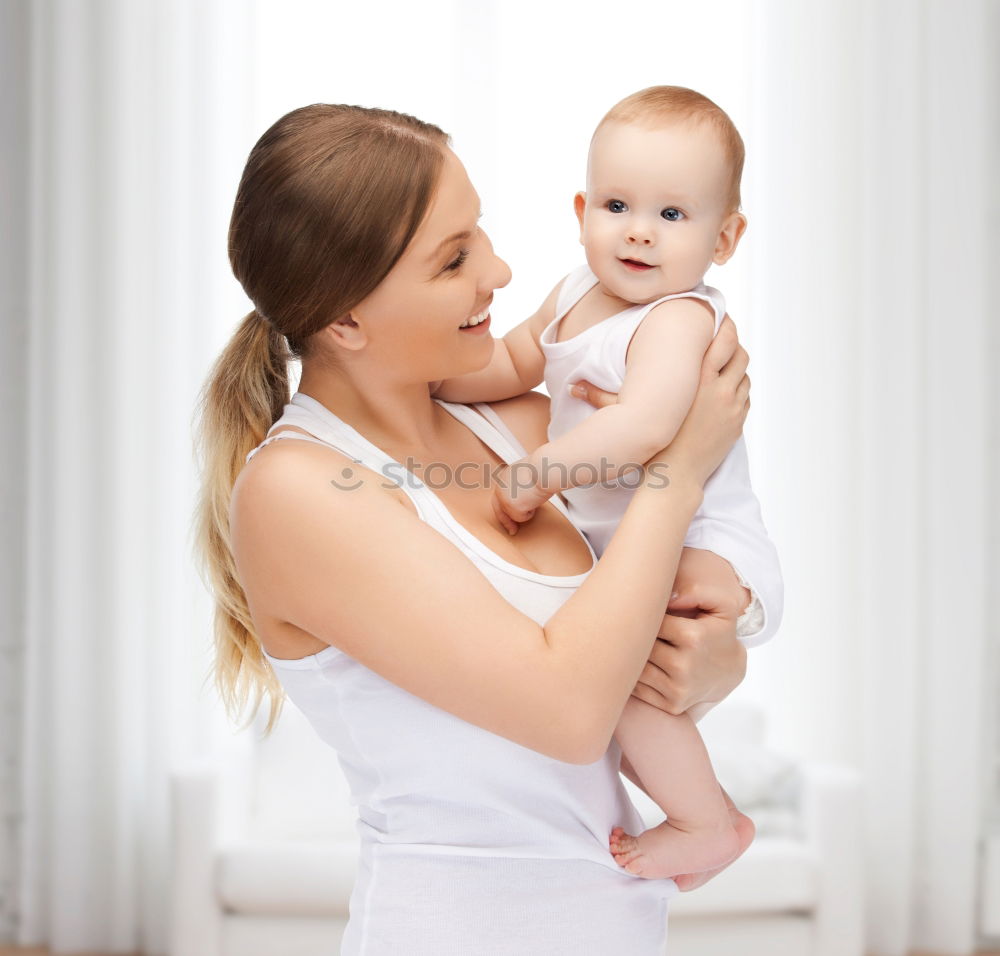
(284, 878)
(315, 879)
(764, 784)
(751, 773)
(301, 792)
(775, 875)
(785, 934)
(244, 935)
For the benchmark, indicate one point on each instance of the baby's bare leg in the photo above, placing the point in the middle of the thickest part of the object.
(669, 757)
(744, 830)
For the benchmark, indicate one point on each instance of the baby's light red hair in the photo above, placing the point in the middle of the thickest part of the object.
(659, 104)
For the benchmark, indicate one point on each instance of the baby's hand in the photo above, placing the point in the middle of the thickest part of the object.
(513, 504)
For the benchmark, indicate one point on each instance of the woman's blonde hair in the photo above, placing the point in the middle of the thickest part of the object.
(328, 201)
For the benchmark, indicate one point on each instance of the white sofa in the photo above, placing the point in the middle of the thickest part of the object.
(265, 847)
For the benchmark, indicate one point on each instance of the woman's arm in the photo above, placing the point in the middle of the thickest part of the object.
(361, 572)
(697, 657)
(404, 601)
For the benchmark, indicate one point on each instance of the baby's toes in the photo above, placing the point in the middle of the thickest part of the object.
(627, 855)
(625, 850)
(634, 867)
(633, 861)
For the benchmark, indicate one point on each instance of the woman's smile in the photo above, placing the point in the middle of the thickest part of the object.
(478, 324)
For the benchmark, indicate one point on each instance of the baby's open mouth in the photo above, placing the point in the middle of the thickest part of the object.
(635, 264)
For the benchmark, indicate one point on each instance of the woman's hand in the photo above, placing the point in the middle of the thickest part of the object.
(715, 419)
(697, 657)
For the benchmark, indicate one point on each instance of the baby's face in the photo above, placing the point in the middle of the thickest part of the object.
(655, 208)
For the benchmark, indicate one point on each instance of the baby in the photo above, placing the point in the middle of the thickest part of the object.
(662, 204)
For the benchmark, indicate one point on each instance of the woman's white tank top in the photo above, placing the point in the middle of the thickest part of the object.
(470, 843)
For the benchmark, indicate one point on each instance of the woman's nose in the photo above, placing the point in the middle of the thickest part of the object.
(500, 274)
(497, 275)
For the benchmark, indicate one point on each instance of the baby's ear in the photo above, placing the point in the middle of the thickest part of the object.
(730, 234)
(579, 205)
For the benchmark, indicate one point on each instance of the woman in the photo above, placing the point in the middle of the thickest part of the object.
(469, 681)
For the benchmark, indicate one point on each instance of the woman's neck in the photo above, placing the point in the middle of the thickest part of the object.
(390, 416)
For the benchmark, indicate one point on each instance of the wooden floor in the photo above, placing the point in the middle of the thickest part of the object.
(14, 951)
(32, 951)
(29, 951)
(22, 951)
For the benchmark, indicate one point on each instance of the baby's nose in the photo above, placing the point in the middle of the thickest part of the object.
(641, 235)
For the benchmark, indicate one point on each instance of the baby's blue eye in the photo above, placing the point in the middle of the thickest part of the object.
(672, 214)
(616, 205)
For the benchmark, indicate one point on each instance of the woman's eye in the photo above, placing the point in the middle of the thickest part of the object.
(616, 205)
(458, 261)
(672, 214)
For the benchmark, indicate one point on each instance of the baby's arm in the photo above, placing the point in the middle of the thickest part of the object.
(662, 369)
(516, 366)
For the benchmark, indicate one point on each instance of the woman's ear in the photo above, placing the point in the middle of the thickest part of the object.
(729, 237)
(346, 333)
(579, 205)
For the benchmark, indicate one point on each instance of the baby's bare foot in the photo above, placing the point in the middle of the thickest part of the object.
(744, 830)
(665, 850)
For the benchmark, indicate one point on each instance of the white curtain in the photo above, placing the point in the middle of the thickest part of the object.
(139, 118)
(875, 124)
(13, 356)
(860, 291)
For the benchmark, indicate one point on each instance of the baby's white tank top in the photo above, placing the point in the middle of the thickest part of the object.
(469, 842)
(598, 355)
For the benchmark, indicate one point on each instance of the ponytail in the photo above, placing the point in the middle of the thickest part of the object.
(329, 199)
(243, 396)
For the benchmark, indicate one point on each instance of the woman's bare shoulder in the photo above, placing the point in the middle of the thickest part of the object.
(277, 467)
(288, 470)
(527, 416)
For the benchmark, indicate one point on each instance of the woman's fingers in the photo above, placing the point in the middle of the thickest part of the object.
(725, 357)
(662, 689)
(593, 395)
(743, 390)
(722, 348)
(694, 660)
(736, 367)
(726, 363)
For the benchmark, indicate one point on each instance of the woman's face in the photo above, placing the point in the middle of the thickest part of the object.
(446, 277)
